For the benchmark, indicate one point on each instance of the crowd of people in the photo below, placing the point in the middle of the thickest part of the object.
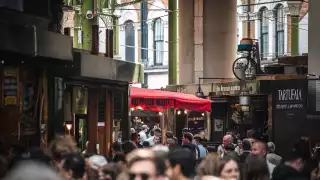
(147, 157)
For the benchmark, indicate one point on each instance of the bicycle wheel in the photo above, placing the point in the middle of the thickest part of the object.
(244, 68)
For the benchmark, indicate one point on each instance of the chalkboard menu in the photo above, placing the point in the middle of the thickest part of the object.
(10, 86)
(289, 107)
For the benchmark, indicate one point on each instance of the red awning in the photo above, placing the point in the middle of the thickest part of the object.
(153, 99)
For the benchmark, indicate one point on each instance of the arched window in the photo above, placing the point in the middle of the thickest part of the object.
(264, 36)
(280, 30)
(130, 41)
(158, 41)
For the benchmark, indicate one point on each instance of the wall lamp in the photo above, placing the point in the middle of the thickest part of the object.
(199, 92)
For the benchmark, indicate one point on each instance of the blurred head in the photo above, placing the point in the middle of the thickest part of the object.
(271, 147)
(135, 137)
(227, 139)
(246, 145)
(110, 171)
(181, 163)
(73, 166)
(128, 146)
(229, 168)
(157, 132)
(97, 161)
(60, 146)
(298, 155)
(137, 169)
(255, 167)
(32, 171)
(116, 148)
(169, 134)
(141, 153)
(145, 128)
(146, 144)
(259, 148)
(187, 138)
(209, 166)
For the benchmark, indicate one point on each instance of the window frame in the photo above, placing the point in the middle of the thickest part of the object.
(264, 24)
(279, 29)
(156, 51)
(130, 22)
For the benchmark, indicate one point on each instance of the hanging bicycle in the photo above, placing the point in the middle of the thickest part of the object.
(247, 66)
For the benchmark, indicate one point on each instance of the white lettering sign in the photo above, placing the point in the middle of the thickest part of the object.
(290, 95)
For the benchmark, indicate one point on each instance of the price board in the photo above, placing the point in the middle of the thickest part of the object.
(10, 83)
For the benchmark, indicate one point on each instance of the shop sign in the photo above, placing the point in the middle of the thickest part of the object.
(10, 86)
(166, 103)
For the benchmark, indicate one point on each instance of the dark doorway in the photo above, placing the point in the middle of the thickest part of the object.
(81, 130)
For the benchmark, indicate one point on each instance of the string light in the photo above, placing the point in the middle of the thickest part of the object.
(160, 113)
(202, 114)
(179, 112)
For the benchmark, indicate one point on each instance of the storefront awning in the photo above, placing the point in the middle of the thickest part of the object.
(150, 99)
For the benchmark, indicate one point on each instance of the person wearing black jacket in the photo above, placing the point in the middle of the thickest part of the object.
(292, 168)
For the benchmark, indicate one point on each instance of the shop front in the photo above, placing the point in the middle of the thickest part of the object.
(91, 98)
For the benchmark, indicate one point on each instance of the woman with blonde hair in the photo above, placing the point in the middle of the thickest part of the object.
(209, 167)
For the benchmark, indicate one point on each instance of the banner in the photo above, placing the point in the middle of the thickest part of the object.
(289, 107)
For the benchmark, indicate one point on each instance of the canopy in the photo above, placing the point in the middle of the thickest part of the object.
(154, 99)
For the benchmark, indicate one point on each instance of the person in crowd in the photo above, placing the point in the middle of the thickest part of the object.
(146, 144)
(155, 138)
(111, 171)
(292, 168)
(181, 164)
(73, 166)
(187, 142)
(209, 167)
(169, 135)
(143, 133)
(137, 169)
(202, 150)
(229, 167)
(255, 168)
(246, 150)
(227, 139)
(97, 161)
(136, 139)
(119, 158)
(202, 135)
(128, 146)
(116, 148)
(32, 171)
(141, 153)
(260, 148)
(272, 157)
(160, 151)
(132, 130)
(60, 146)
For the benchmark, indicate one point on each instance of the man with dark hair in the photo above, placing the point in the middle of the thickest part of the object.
(181, 164)
(246, 146)
(155, 138)
(73, 166)
(187, 142)
(294, 165)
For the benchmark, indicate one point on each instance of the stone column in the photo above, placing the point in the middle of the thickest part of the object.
(186, 44)
(314, 37)
(294, 8)
(220, 38)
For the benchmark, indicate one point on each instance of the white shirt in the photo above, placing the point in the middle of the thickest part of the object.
(143, 136)
(270, 168)
(151, 140)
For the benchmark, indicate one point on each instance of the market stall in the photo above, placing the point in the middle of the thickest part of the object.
(160, 101)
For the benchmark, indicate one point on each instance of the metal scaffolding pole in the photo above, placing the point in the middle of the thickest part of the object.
(173, 42)
(87, 7)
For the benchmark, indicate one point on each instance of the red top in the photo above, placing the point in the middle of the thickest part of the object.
(153, 99)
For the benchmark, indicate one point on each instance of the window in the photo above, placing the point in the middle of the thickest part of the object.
(129, 41)
(158, 41)
(280, 30)
(264, 38)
